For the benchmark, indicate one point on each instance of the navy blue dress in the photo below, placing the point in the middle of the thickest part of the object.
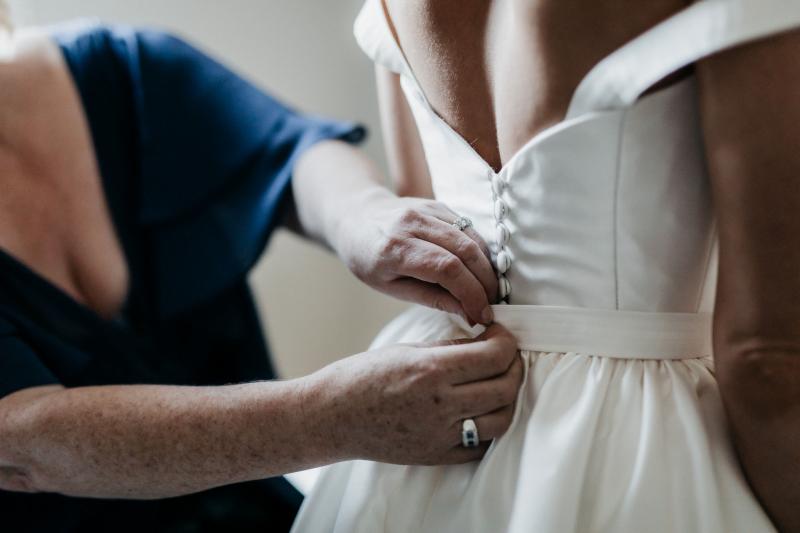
(196, 165)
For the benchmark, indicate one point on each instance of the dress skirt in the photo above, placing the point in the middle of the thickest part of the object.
(618, 427)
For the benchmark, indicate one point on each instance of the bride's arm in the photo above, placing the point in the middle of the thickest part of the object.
(408, 168)
(750, 99)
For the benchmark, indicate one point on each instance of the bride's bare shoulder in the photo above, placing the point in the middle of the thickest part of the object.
(499, 72)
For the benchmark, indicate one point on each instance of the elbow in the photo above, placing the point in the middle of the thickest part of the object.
(22, 420)
(404, 190)
(19, 471)
(409, 188)
(760, 379)
(17, 479)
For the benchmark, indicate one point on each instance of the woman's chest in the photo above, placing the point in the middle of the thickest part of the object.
(53, 212)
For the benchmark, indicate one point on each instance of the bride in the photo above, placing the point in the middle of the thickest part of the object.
(584, 142)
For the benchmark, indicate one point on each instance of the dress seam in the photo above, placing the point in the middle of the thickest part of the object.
(615, 210)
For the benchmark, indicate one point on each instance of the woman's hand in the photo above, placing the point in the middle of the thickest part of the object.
(405, 247)
(408, 248)
(405, 404)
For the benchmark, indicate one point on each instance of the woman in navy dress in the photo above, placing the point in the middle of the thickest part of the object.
(140, 182)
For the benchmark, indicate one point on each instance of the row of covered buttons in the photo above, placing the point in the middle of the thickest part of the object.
(502, 235)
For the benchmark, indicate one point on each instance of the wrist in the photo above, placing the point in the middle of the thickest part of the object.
(354, 216)
(322, 423)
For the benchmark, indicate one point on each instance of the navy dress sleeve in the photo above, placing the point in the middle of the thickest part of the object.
(216, 156)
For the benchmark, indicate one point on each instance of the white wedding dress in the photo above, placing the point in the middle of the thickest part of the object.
(603, 231)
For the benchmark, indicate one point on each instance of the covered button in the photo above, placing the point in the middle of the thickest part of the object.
(500, 209)
(498, 185)
(502, 234)
(503, 261)
(504, 287)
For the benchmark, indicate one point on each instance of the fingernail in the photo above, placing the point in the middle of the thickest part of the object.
(487, 315)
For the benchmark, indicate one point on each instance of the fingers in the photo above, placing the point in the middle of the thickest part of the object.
(442, 212)
(432, 263)
(459, 454)
(494, 425)
(490, 427)
(467, 245)
(487, 356)
(428, 294)
(480, 397)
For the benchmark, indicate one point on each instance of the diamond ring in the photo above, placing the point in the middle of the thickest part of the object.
(462, 223)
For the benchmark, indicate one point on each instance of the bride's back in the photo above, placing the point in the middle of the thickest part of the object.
(499, 72)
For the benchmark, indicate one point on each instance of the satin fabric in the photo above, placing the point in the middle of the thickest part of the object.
(606, 213)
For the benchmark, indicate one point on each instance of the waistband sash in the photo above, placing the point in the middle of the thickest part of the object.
(608, 332)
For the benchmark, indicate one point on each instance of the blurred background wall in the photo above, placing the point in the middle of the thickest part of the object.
(304, 53)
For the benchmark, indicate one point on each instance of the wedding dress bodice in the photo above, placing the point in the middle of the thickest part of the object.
(609, 208)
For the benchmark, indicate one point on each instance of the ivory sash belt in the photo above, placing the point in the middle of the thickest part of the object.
(608, 332)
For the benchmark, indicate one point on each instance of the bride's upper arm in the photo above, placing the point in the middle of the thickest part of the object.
(750, 106)
(406, 158)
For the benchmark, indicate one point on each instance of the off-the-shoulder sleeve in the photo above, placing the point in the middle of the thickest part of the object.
(373, 35)
(20, 367)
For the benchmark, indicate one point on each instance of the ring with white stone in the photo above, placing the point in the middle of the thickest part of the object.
(462, 223)
(469, 434)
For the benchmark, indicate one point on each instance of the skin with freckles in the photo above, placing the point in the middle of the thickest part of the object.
(453, 374)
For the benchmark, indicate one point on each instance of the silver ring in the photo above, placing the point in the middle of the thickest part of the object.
(462, 223)
(469, 434)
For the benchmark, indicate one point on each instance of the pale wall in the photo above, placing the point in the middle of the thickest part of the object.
(304, 52)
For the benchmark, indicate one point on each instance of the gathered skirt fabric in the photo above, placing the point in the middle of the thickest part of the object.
(597, 444)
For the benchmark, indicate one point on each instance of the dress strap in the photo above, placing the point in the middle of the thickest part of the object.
(702, 29)
(374, 36)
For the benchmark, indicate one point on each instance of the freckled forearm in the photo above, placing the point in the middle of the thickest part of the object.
(160, 441)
